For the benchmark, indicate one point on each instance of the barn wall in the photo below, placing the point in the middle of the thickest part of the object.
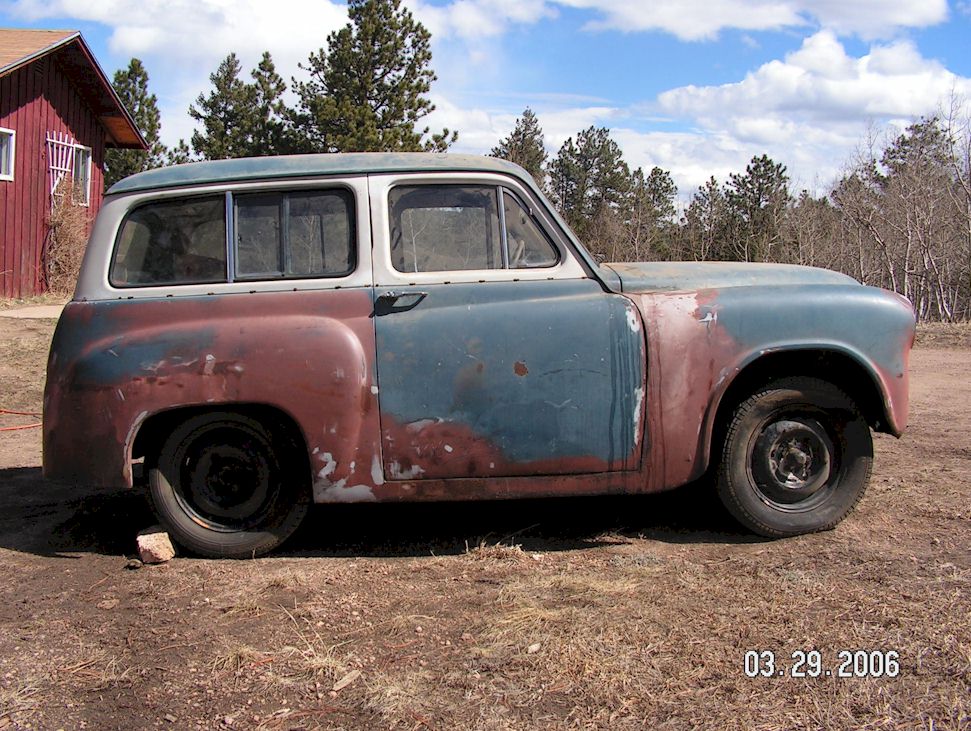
(35, 100)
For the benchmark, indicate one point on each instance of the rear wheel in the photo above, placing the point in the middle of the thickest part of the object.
(227, 486)
(796, 458)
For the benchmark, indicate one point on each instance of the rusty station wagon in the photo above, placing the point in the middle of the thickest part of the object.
(261, 334)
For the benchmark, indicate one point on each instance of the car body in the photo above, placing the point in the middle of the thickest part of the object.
(265, 333)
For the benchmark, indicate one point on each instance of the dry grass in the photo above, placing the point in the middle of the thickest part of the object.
(69, 225)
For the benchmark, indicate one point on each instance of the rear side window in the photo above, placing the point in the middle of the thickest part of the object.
(276, 235)
(172, 242)
(294, 234)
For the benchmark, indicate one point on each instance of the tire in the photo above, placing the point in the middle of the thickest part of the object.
(796, 458)
(226, 486)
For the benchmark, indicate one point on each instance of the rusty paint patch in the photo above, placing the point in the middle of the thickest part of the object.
(520, 368)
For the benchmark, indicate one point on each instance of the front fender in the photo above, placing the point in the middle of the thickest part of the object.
(700, 342)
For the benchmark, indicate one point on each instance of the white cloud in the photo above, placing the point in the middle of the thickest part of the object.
(471, 19)
(821, 82)
(695, 20)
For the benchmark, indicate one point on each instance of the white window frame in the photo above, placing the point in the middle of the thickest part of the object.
(8, 138)
(82, 153)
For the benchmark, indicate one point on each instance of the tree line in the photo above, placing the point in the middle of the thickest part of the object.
(899, 218)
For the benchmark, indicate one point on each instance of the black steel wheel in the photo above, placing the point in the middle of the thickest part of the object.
(228, 486)
(796, 458)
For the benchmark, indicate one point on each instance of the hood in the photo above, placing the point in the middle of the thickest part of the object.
(684, 276)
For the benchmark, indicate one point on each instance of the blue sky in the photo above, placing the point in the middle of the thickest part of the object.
(697, 87)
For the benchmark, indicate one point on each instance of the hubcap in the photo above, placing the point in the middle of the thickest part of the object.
(228, 479)
(792, 459)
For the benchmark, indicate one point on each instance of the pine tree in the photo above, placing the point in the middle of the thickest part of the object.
(524, 146)
(241, 119)
(650, 215)
(131, 85)
(706, 223)
(266, 123)
(367, 89)
(590, 184)
(758, 201)
(223, 114)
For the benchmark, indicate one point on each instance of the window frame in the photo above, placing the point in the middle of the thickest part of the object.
(116, 243)
(8, 138)
(116, 213)
(83, 152)
(570, 265)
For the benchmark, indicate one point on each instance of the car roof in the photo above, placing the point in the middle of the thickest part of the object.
(299, 166)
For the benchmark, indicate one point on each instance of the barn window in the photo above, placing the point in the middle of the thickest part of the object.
(7, 148)
(82, 175)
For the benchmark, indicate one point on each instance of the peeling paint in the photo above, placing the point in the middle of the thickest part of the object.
(638, 405)
(397, 472)
(633, 320)
(377, 474)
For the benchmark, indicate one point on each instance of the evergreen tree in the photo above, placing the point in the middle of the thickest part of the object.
(223, 114)
(758, 201)
(242, 119)
(367, 88)
(266, 124)
(590, 184)
(650, 217)
(131, 85)
(705, 224)
(524, 146)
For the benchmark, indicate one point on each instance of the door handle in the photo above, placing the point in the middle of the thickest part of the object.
(391, 301)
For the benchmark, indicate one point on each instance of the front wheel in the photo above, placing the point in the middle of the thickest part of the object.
(226, 486)
(796, 458)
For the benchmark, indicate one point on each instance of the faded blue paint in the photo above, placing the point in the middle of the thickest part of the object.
(542, 370)
(104, 351)
(872, 325)
(679, 276)
(302, 166)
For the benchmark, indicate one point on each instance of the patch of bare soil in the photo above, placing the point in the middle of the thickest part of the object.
(601, 613)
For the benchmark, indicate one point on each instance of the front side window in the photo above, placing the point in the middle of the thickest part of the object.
(172, 242)
(444, 228)
(8, 139)
(294, 234)
(438, 228)
(82, 175)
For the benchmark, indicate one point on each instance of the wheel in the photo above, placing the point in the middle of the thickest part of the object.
(796, 458)
(226, 487)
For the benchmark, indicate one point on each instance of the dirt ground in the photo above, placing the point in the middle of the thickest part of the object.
(613, 613)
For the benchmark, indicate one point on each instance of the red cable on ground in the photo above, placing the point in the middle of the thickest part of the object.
(19, 413)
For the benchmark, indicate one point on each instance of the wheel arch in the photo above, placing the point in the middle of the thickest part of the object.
(837, 365)
(150, 433)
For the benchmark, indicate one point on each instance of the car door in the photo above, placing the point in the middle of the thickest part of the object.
(497, 354)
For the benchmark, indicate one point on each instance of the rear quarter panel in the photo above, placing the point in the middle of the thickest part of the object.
(307, 353)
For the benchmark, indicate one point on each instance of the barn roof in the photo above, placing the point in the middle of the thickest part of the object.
(20, 47)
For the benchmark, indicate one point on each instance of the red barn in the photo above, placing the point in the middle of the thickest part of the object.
(58, 114)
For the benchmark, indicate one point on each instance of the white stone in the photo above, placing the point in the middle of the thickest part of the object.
(154, 546)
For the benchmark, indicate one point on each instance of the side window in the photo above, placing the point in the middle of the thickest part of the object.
(172, 242)
(294, 234)
(8, 140)
(529, 246)
(82, 175)
(445, 228)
